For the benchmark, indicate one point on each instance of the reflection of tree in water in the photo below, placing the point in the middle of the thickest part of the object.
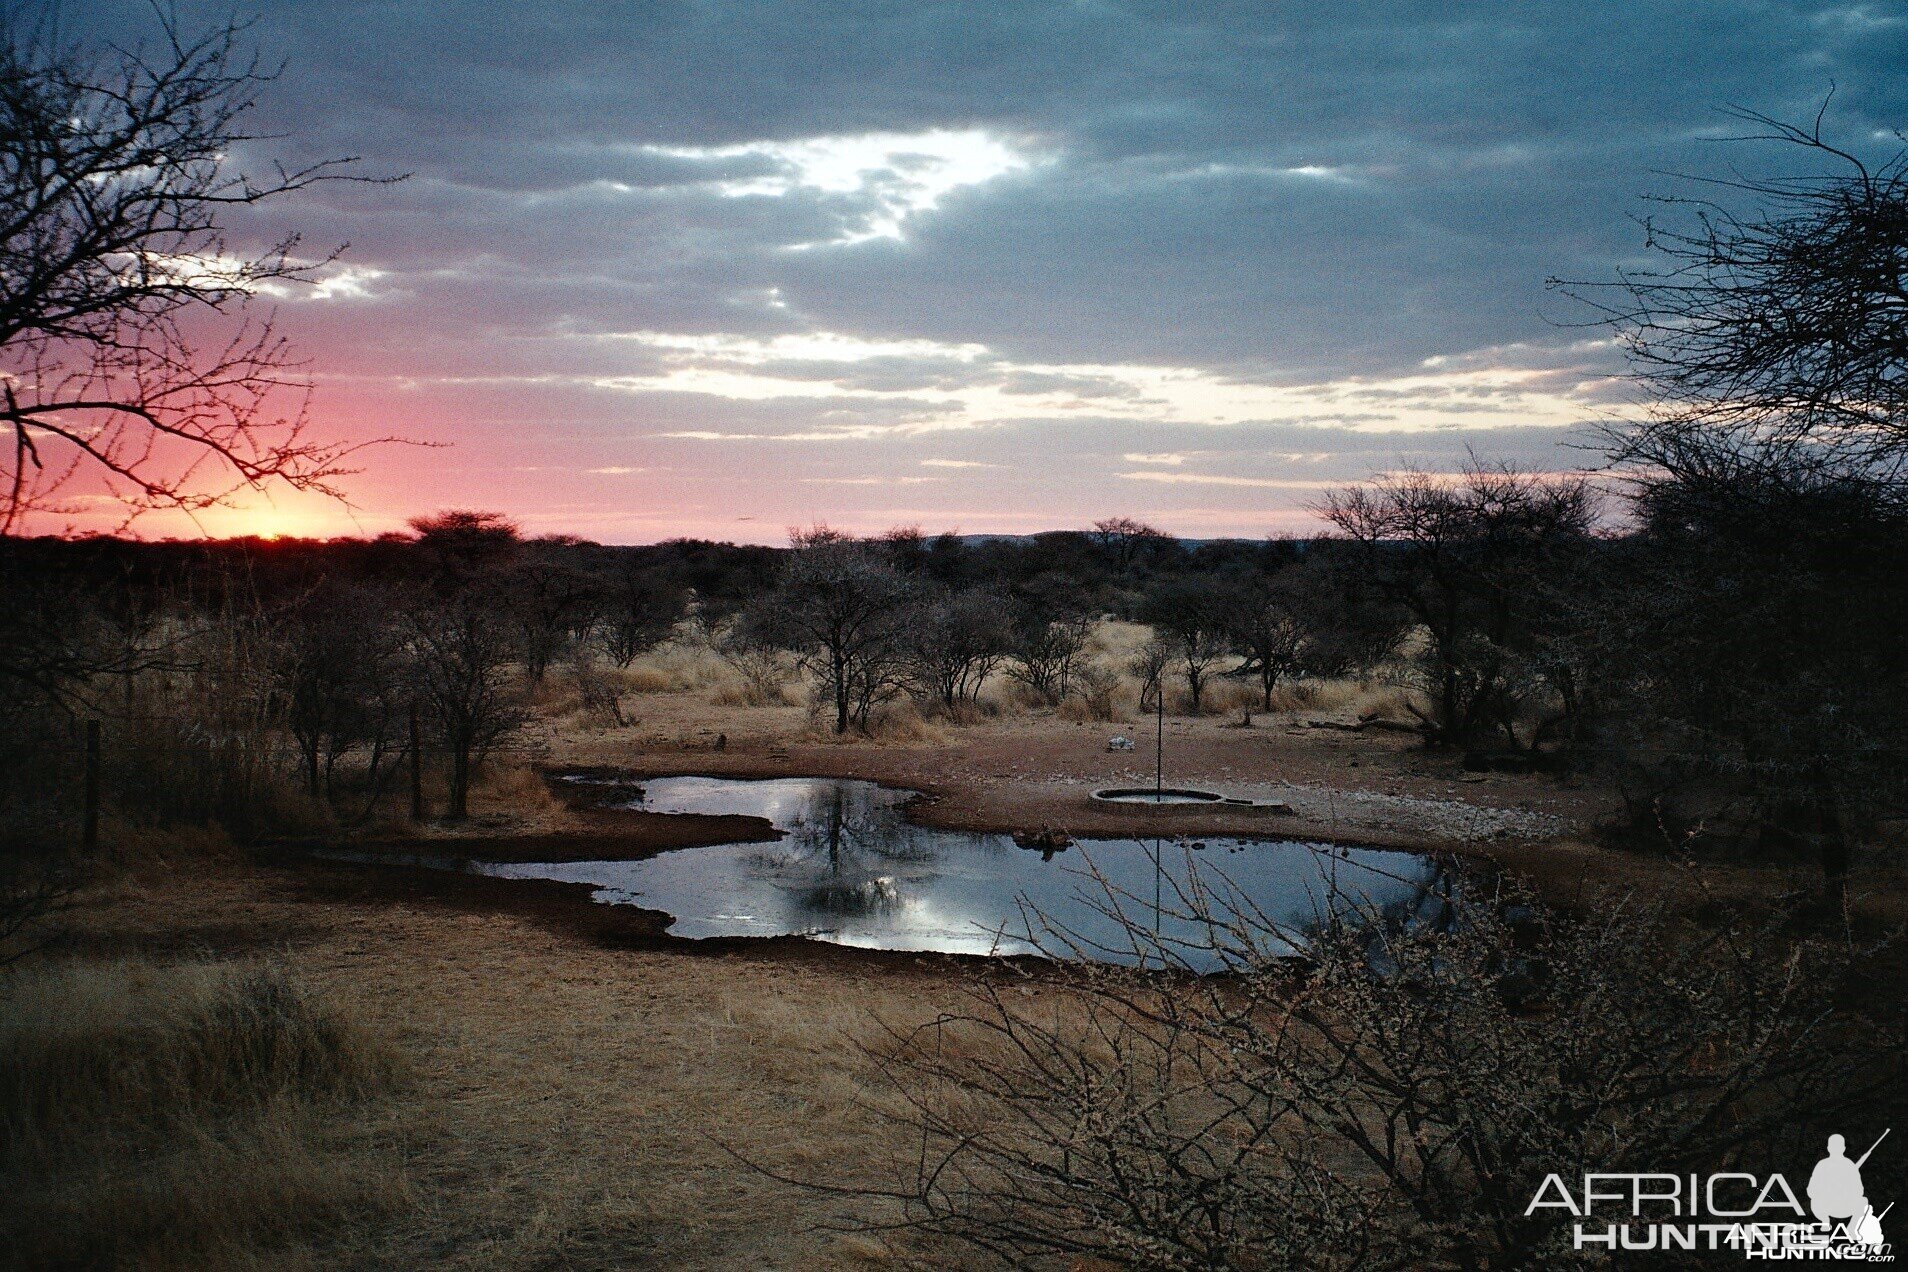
(839, 845)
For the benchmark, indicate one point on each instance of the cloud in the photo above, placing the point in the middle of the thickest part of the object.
(1214, 479)
(883, 178)
(1034, 240)
(869, 481)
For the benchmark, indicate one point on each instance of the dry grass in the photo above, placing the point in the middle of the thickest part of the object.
(684, 662)
(1114, 642)
(901, 723)
(1101, 693)
(1104, 690)
(570, 1103)
(1346, 697)
(186, 1114)
(518, 787)
(639, 679)
(738, 692)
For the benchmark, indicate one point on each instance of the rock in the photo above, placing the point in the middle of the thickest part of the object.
(1047, 840)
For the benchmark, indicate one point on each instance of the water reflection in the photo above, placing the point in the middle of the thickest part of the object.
(852, 870)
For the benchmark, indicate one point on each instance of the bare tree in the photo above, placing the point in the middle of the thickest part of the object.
(552, 602)
(1148, 666)
(340, 669)
(1267, 627)
(762, 664)
(954, 643)
(841, 606)
(1758, 645)
(1045, 645)
(596, 690)
(1192, 615)
(1784, 329)
(638, 607)
(461, 650)
(115, 173)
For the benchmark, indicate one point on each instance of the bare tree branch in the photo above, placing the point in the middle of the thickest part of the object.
(115, 164)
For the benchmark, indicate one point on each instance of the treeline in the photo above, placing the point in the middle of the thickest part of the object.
(1735, 658)
(362, 652)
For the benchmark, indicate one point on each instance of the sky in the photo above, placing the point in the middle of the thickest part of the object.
(722, 268)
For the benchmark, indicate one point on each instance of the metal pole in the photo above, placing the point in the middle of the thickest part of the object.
(1159, 742)
(89, 824)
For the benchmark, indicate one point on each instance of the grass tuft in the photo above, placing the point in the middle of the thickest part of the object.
(179, 1114)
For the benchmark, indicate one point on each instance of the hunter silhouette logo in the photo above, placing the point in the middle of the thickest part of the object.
(1837, 1198)
(1759, 1216)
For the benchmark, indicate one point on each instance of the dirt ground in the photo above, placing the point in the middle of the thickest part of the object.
(581, 1085)
(569, 1105)
(1369, 786)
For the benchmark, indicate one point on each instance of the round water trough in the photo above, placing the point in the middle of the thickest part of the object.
(1161, 798)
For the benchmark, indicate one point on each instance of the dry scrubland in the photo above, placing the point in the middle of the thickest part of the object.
(234, 1064)
(1104, 690)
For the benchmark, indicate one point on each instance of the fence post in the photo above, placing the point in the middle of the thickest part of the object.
(417, 770)
(89, 824)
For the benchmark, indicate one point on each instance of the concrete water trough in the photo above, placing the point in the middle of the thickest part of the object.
(1181, 798)
(1159, 797)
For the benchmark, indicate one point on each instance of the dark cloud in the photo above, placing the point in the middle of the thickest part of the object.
(1460, 152)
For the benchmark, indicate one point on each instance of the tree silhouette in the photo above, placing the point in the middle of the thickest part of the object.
(127, 352)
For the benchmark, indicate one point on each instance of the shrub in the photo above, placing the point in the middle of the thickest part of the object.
(178, 1114)
(1394, 1100)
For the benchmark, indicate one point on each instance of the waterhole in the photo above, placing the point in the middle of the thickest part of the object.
(853, 870)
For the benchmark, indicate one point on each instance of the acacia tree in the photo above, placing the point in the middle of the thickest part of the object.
(639, 606)
(1045, 645)
(1124, 539)
(1338, 1110)
(1783, 331)
(127, 353)
(1470, 560)
(461, 650)
(955, 642)
(1763, 652)
(1191, 615)
(840, 605)
(457, 545)
(340, 670)
(553, 602)
(1267, 629)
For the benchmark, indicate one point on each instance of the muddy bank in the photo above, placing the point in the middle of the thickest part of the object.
(620, 836)
(566, 909)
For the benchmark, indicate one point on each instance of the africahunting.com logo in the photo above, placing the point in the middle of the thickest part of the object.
(1761, 1217)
